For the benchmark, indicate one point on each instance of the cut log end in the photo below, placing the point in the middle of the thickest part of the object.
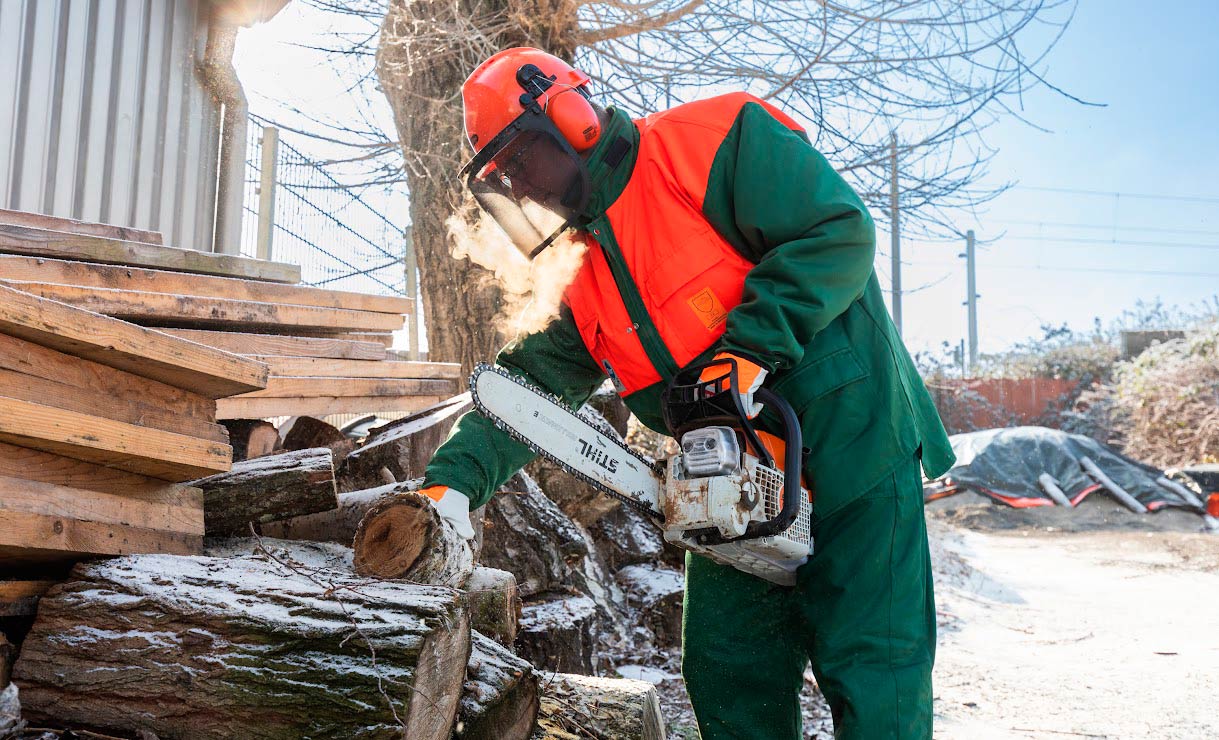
(402, 536)
(391, 541)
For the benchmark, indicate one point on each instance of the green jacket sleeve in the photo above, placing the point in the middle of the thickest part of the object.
(477, 458)
(778, 201)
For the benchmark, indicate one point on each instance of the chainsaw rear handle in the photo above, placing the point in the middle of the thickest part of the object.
(688, 403)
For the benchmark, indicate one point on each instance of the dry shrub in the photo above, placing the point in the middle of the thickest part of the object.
(1163, 406)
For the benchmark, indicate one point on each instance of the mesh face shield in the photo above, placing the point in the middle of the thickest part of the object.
(530, 180)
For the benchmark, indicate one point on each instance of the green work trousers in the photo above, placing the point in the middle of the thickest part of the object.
(862, 611)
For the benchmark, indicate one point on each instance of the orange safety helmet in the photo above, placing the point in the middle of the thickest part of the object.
(528, 117)
(500, 89)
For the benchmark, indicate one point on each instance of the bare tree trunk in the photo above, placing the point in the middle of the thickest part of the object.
(427, 49)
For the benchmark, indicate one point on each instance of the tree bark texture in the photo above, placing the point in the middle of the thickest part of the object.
(244, 646)
(626, 537)
(7, 653)
(400, 450)
(403, 537)
(339, 524)
(266, 489)
(527, 535)
(427, 49)
(658, 593)
(575, 707)
(494, 603)
(499, 700)
(560, 635)
(308, 432)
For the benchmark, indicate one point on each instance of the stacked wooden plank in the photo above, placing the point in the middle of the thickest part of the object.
(327, 349)
(101, 421)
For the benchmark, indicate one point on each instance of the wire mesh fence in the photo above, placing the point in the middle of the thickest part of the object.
(343, 237)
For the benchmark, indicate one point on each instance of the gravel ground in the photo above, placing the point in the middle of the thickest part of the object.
(1092, 623)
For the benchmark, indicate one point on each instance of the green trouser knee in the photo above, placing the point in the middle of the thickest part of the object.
(862, 612)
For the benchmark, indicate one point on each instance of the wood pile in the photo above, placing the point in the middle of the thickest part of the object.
(327, 350)
(101, 422)
(130, 373)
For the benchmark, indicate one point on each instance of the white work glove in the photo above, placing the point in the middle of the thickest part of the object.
(749, 377)
(453, 507)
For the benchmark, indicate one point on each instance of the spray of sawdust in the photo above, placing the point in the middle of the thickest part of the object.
(532, 290)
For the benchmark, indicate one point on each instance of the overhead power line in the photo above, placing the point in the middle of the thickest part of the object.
(1116, 194)
(1107, 227)
(1110, 270)
(1110, 242)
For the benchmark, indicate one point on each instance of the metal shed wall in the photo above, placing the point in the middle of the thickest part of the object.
(104, 117)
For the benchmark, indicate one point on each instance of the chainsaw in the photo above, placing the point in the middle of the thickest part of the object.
(733, 494)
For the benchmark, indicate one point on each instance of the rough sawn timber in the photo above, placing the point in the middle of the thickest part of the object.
(125, 277)
(277, 345)
(152, 452)
(499, 700)
(145, 352)
(261, 408)
(314, 367)
(265, 489)
(63, 245)
(402, 536)
(245, 646)
(45, 522)
(72, 226)
(171, 309)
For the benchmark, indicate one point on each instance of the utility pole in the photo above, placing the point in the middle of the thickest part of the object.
(895, 243)
(971, 298)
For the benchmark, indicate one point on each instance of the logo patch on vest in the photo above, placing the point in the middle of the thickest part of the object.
(707, 307)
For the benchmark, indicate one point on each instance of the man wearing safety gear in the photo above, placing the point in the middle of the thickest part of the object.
(715, 229)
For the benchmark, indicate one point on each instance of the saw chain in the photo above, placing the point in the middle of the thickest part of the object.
(545, 396)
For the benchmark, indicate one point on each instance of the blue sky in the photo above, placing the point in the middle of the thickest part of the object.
(1156, 67)
(1053, 257)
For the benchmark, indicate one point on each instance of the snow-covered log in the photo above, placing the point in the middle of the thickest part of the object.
(400, 450)
(525, 533)
(266, 489)
(657, 591)
(402, 536)
(560, 634)
(605, 708)
(499, 700)
(626, 537)
(339, 524)
(249, 645)
(494, 603)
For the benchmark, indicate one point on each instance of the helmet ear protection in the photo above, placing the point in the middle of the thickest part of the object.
(569, 108)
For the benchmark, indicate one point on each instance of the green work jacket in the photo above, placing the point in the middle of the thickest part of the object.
(811, 310)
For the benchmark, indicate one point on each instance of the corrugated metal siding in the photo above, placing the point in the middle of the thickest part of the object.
(103, 114)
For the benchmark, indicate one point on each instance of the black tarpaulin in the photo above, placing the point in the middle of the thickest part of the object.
(1006, 463)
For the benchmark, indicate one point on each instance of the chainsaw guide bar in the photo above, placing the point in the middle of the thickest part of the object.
(595, 457)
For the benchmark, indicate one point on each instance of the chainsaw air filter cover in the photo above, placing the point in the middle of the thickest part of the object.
(710, 451)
